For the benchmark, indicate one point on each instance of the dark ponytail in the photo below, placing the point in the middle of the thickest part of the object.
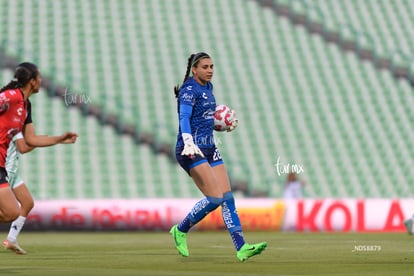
(192, 61)
(22, 75)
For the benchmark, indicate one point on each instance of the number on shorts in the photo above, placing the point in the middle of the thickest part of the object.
(216, 155)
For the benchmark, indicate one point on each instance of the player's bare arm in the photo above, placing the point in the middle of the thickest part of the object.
(22, 146)
(43, 140)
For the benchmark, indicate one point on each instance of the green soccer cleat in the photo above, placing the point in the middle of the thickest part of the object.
(250, 250)
(180, 239)
(409, 226)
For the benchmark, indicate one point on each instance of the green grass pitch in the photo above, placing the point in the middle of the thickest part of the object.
(211, 253)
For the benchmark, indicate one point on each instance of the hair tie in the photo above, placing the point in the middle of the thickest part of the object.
(15, 79)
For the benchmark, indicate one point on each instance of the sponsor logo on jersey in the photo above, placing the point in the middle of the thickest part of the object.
(20, 111)
(4, 102)
(12, 132)
(16, 119)
(187, 97)
(208, 114)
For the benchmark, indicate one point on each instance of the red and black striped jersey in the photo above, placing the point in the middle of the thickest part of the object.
(13, 116)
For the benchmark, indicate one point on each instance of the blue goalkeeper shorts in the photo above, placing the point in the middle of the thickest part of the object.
(211, 155)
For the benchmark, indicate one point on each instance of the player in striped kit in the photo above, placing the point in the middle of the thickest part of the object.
(15, 118)
(198, 155)
(13, 112)
(20, 190)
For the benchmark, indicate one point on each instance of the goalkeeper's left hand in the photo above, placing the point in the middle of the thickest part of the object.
(234, 122)
(190, 149)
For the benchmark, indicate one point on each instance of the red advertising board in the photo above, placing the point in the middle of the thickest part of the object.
(263, 214)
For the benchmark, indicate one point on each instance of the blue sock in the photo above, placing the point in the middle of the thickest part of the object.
(231, 220)
(199, 211)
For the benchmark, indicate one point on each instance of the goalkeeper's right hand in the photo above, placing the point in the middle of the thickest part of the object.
(234, 122)
(190, 149)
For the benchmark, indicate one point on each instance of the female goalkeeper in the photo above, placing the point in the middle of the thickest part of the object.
(199, 157)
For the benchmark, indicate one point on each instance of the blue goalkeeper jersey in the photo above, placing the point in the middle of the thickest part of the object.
(201, 99)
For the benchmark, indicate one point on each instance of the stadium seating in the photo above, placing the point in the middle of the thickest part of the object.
(300, 100)
(388, 23)
(102, 164)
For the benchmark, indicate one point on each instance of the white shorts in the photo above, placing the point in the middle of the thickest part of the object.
(14, 180)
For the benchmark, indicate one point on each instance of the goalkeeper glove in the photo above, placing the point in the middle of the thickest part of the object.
(234, 122)
(190, 149)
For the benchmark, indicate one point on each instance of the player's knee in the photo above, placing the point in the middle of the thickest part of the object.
(10, 215)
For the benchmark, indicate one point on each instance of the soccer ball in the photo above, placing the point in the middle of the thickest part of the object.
(223, 118)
